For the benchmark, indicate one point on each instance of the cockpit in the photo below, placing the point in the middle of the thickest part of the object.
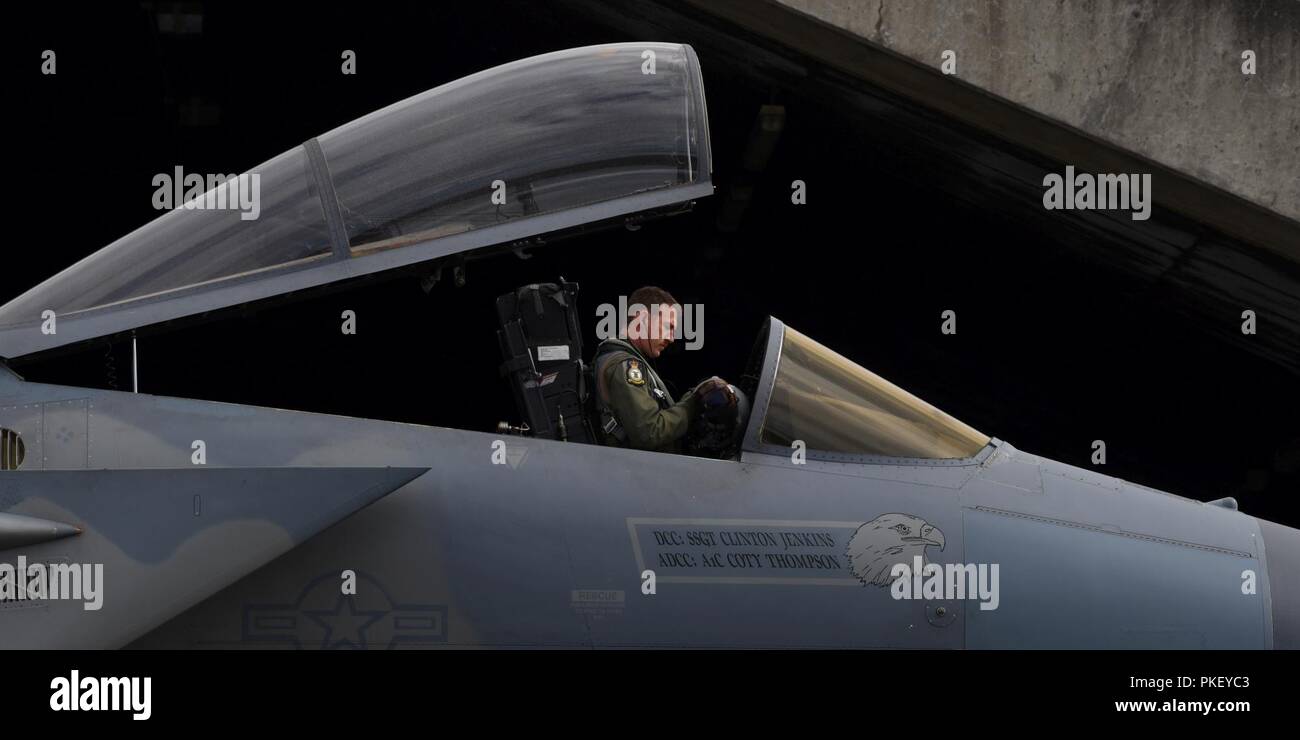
(496, 162)
(795, 395)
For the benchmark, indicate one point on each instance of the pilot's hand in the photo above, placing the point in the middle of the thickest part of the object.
(716, 397)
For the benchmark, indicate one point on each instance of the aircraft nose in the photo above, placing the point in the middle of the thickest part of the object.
(1282, 555)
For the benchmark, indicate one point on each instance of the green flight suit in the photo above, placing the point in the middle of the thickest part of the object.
(636, 408)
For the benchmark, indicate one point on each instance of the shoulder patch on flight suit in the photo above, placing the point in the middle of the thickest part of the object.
(634, 375)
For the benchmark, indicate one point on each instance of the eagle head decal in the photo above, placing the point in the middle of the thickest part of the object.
(877, 546)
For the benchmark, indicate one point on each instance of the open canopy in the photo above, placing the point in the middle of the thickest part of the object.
(538, 145)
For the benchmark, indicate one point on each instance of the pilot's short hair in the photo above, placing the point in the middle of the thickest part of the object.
(649, 296)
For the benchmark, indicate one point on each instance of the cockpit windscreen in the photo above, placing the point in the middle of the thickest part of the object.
(835, 405)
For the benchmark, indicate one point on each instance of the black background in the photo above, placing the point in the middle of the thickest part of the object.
(1052, 351)
(659, 693)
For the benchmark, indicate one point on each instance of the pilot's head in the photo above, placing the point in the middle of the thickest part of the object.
(652, 316)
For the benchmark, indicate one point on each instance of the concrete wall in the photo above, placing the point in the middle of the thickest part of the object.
(1161, 78)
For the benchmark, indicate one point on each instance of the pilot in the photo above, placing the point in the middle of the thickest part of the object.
(636, 409)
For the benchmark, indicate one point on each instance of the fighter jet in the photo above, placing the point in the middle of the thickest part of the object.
(833, 510)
